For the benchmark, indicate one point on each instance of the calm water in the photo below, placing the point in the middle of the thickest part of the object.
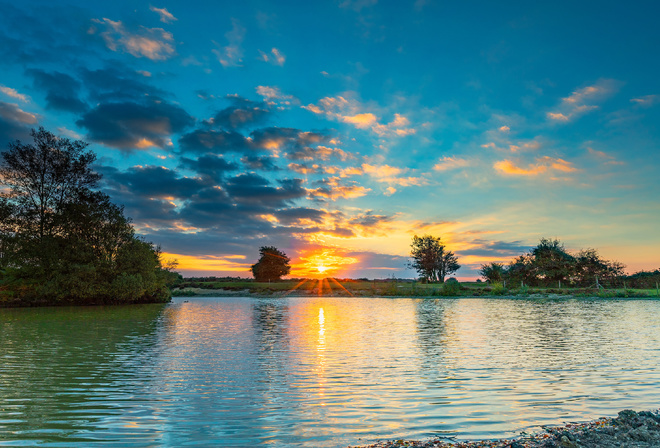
(319, 372)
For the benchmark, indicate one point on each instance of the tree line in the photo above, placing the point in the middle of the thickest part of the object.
(550, 264)
(64, 242)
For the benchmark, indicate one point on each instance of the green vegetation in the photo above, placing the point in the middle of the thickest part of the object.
(212, 286)
(550, 265)
(62, 242)
(430, 258)
(272, 265)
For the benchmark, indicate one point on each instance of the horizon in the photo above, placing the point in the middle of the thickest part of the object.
(337, 130)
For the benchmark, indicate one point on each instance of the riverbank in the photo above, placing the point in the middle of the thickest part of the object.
(330, 287)
(629, 429)
(261, 293)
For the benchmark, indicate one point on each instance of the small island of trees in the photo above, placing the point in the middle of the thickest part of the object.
(64, 242)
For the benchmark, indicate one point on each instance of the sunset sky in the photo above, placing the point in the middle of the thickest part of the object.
(336, 130)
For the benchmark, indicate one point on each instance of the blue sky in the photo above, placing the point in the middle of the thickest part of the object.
(337, 130)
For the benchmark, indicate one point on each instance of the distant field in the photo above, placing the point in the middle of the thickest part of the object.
(343, 287)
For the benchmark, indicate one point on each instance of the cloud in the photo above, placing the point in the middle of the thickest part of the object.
(273, 96)
(231, 55)
(14, 123)
(209, 165)
(391, 175)
(152, 43)
(646, 100)
(241, 113)
(608, 159)
(13, 93)
(129, 125)
(12, 113)
(451, 163)
(260, 163)
(62, 91)
(154, 182)
(165, 15)
(542, 165)
(333, 189)
(583, 100)
(117, 83)
(351, 112)
(211, 141)
(275, 57)
(504, 129)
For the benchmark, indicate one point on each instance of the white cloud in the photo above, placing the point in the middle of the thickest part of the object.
(646, 100)
(165, 15)
(275, 57)
(451, 163)
(11, 112)
(152, 43)
(583, 100)
(13, 93)
(232, 54)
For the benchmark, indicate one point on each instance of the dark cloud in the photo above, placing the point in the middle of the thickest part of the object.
(370, 221)
(216, 142)
(253, 190)
(242, 113)
(15, 124)
(287, 138)
(152, 182)
(291, 216)
(211, 166)
(118, 83)
(45, 34)
(260, 163)
(131, 125)
(62, 90)
(496, 248)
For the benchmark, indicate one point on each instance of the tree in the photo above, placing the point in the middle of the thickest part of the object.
(493, 272)
(430, 258)
(550, 260)
(272, 265)
(60, 240)
(589, 265)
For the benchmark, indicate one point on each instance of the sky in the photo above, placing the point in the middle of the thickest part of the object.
(337, 130)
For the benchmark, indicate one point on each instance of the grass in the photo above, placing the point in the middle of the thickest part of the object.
(395, 288)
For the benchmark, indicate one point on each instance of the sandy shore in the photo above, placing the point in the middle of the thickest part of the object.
(629, 430)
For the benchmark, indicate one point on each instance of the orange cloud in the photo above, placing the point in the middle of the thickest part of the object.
(451, 163)
(152, 43)
(543, 165)
(582, 101)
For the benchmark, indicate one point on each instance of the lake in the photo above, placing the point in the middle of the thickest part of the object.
(320, 372)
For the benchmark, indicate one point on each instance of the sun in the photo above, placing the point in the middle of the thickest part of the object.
(322, 269)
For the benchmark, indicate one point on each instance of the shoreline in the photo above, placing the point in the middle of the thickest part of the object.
(629, 429)
(199, 292)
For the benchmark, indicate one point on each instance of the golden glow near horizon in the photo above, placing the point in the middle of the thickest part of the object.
(321, 263)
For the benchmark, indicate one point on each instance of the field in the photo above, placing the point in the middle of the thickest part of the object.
(387, 288)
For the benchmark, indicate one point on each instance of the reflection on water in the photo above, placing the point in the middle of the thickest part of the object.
(319, 372)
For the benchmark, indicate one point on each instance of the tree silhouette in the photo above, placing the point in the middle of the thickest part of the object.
(431, 259)
(272, 265)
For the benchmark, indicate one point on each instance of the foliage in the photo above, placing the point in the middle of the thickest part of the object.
(493, 272)
(63, 242)
(498, 289)
(551, 262)
(431, 259)
(272, 265)
(450, 288)
(589, 265)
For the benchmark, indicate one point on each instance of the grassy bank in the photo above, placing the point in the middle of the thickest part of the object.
(392, 288)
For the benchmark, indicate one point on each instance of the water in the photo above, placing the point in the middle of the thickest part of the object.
(319, 372)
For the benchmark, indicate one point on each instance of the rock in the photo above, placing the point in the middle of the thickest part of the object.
(567, 443)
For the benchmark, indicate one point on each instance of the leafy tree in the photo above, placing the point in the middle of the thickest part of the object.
(60, 240)
(521, 269)
(493, 272)
(272, 265)
(551, 262)
(430, 258)
(589, 265)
